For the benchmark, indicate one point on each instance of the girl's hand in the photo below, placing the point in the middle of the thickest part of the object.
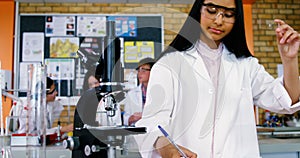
(167, 150)
(288, 40)
(134, 117)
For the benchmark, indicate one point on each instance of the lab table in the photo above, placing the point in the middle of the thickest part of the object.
(269, 148)
(273, 143)
(58, 152)
(279, 142)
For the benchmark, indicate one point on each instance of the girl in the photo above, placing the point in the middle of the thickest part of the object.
(203, 88)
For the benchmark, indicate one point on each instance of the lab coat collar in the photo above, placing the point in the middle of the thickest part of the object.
(198, 65)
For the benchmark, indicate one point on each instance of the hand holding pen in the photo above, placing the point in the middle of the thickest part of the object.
(168, 148)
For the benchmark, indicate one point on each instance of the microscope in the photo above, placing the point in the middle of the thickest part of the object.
(89, 139)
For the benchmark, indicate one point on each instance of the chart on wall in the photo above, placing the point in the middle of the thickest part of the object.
(135, 51)
(126, 26)
(91, 26)
(60, 26)
(23, 75)
(64, 47)
(33, 46)
(60, 69)
(70, 44)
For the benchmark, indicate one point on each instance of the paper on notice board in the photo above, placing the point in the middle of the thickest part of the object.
(64, 47)
(33, 46)
(130, 78)
(60, 69)
(23, 80)
(60, 26)
(137, 50)
(126, 26)
(91, 26)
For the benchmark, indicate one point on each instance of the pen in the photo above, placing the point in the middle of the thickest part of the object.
(172, 141)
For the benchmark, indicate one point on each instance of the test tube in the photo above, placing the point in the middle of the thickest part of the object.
(36, 123)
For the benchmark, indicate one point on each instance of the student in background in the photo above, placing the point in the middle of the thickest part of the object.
(54, 109)
(203, 88)
(136, 98)
(90, 81)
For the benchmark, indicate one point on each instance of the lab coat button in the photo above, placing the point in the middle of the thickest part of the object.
(210, 91)
(218, 155)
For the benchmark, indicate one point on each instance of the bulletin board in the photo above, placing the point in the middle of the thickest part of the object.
(39, 35)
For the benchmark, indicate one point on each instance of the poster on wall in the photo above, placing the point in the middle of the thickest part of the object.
(33, 46)
(60, 69)
(130, 78)
(126, 26)
(64, 47)
(89, 26)
(23, 76)
(60, 26)
(91, 49)
(137, 50)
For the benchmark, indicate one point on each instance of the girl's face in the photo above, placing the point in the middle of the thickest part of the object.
(144, 73)
(217, 19)
(93, 82)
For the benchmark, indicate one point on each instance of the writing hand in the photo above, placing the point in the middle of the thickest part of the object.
(167, 150)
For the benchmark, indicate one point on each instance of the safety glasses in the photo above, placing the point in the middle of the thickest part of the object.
(212, 11)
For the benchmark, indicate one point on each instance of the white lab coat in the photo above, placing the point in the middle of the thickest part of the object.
(132, 103)
(180, 98)
(54, 110)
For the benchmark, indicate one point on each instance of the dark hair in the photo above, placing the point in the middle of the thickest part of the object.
(235, 41)
(49, 82)
(151, 65)
(89, 73)
(146, 61)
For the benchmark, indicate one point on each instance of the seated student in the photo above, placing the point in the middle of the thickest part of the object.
(90, 80)
(136, 98)
(54, 109)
